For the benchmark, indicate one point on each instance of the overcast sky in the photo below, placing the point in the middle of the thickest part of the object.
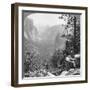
(44, 19)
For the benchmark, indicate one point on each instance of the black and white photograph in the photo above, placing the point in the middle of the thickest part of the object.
(49, 44)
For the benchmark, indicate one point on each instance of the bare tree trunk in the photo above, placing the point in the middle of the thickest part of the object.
(74, 35)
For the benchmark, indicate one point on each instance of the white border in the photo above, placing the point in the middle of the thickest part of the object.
(60, 79)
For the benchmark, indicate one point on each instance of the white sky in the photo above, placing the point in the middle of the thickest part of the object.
(43, 19)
